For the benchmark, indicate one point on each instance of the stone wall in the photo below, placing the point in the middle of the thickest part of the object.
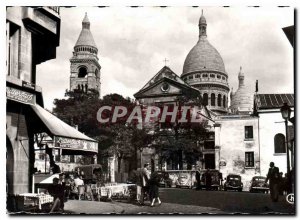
(271, 124)
(230, 138)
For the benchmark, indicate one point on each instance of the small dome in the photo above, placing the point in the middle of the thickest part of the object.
(203, 56)
(86, 38)
(242, 99)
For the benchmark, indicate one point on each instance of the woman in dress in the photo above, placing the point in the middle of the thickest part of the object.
(153, 188)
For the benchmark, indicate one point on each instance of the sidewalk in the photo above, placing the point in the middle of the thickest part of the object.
(95, 207)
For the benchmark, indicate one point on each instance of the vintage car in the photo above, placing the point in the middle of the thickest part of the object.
(258, 184)
(233, 182)
(215, 180)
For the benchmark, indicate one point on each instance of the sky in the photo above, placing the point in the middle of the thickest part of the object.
(133, 42)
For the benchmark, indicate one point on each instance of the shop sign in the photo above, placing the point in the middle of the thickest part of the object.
(20, 96)
(222, 163)
(75, 144)
(28, 85)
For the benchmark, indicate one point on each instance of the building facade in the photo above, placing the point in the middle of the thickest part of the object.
(272, 130)
(27, 30)
(237, 141)
(85, 67)
(167, 89)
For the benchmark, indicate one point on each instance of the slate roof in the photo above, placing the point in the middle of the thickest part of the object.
(271, 101)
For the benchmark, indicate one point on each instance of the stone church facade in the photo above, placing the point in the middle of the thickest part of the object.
(204, 74)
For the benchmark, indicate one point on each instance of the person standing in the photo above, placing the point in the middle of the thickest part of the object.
(198, 179)
(208, 179)
(273, 177)
(145, 176)
(153, 188)
(139, 186)
(78, 181)
(220, 176)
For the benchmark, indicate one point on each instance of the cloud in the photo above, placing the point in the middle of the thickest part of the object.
(133, 42)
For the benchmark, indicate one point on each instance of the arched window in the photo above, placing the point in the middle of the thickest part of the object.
(81, 87)
(205, 99)
(219, 100)
(86, 87)
(279, 143)
(213, 99)
(224, 101)
(78, 87)
(82, 72)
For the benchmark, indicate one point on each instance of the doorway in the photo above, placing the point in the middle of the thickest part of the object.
(209, 160)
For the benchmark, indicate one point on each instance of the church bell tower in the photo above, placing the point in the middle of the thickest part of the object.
(85, 68)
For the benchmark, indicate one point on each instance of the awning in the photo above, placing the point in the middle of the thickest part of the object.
(65, 137)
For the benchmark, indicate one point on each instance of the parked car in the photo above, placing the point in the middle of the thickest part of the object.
(215, 180)
(233, 182)
(258, 184)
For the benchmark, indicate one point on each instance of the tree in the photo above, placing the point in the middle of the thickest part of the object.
(120, 139)
(172, 141)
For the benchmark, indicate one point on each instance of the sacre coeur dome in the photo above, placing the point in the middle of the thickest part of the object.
(204, 70)
(203, 56)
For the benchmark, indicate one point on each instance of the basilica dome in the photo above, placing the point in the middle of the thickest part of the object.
(204, 69)
(203, 56)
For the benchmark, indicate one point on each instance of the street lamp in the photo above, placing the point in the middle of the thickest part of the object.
(286, 113)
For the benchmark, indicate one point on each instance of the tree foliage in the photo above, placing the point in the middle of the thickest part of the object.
(80, 109)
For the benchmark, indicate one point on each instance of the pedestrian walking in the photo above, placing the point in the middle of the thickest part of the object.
(273, 177)
(153, 188)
